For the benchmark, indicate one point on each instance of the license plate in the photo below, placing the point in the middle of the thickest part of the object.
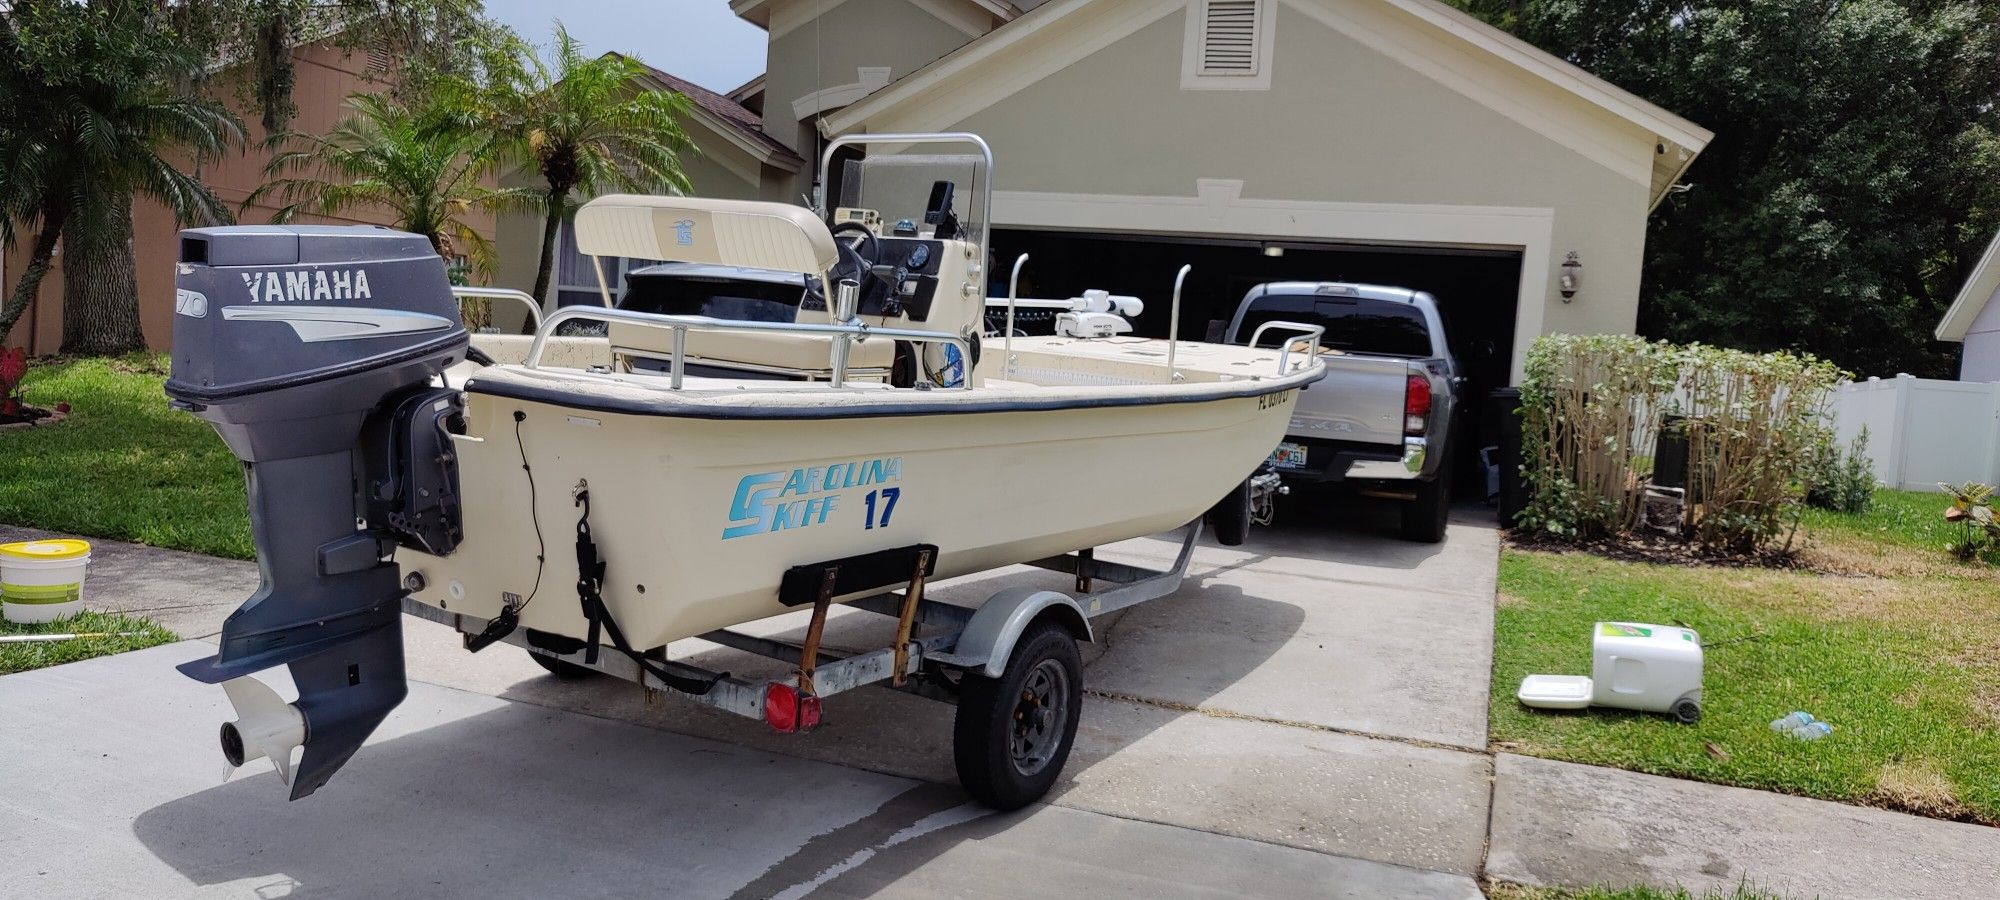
(1289, 456)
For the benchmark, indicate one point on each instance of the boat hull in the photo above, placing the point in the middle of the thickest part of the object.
(697, 519)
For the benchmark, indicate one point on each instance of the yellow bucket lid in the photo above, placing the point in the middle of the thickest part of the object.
(50, 550)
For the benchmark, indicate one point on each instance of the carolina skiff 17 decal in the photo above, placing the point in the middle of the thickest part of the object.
(801, 498)
(308, 285)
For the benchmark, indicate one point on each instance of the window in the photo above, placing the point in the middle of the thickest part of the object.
(574, 280)
(1353, 324)
(1228, 45)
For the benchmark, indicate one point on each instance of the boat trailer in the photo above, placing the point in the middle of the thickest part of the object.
(937, 645)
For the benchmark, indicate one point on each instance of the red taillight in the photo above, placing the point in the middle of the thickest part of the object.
(781, 707)
(1416, 404)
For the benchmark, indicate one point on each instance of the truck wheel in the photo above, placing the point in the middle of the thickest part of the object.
(1013, 733)
(1424, 517)
(562, 669)
(1230, 516)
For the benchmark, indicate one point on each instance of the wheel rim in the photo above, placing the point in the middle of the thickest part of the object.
(1040, 714)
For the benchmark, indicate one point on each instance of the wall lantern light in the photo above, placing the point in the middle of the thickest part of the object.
(1274, 250)
(1571, 278)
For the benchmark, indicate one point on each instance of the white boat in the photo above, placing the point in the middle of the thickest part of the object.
(687, 472)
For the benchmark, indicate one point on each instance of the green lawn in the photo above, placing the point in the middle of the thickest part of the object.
(1900, 653)
(22, 657)
(123, 466)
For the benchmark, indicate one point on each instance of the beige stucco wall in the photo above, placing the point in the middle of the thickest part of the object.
(1341, 123)
(827, 52)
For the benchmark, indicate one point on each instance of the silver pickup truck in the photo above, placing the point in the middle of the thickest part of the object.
(1381, 420)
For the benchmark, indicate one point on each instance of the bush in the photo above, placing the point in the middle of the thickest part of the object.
(1840, 482)
(1592, 408)
(1589, 418)
(1972, 510)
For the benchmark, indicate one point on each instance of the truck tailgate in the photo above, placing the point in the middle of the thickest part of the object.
(1360, 400)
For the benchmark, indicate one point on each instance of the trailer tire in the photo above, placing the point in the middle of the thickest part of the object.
(1013, 733)
(562, 669)
(1230, 516)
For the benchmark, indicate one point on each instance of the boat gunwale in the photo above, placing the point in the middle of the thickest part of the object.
(690, 405)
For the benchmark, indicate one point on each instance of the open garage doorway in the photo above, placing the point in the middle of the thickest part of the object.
(1477, 291)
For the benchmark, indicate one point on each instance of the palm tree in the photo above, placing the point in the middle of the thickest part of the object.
(111, 100)
(423, 167)
(584, 126)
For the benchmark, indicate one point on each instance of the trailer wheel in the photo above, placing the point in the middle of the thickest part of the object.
(562, 669)
(1230, 516)
(1013, 733)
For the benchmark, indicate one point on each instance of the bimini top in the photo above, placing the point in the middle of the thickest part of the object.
(700, 230)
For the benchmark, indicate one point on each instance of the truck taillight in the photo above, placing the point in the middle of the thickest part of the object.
(1416, 404)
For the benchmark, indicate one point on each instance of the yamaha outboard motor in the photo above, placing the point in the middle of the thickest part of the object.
(311, 349)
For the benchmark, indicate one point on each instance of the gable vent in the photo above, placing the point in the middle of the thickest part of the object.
(1229, 37)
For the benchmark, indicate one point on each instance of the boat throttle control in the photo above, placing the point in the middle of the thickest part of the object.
(312, 350)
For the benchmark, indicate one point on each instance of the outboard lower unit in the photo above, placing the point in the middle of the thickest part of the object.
(312, 350)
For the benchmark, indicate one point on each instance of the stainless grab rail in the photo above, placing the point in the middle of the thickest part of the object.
(465, 292)
(1174, 325)
(1315, 332)
(1007, 338)
(681, 325)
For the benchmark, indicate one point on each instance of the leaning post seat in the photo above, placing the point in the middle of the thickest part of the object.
(748, 233)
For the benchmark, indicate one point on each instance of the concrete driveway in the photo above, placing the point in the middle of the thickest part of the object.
(1303, 718)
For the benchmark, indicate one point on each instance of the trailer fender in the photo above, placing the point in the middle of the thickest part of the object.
(999, 623)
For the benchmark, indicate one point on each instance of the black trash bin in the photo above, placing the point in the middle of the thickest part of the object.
(1504, 407)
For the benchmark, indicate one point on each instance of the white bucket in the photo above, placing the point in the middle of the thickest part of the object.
(42, 581)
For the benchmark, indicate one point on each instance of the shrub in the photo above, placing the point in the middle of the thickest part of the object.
(1592, 408)
(1841, 482)
(1972, 509)
(13, 368)
(1589, 419)
(1752, 422)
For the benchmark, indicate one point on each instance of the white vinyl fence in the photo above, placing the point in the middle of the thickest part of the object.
(1922, 431)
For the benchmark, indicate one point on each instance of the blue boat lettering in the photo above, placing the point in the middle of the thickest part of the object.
(684, 232)
(801, 498)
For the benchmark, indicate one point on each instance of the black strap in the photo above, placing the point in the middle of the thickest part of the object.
(589, 591)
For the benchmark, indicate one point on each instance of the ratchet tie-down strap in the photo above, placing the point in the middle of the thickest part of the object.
(590, 592)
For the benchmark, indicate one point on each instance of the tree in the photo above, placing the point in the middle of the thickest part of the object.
(1853, 180)
(426, 167)
(582, 125)
(421, 39)
(111, 111)
(422, 166)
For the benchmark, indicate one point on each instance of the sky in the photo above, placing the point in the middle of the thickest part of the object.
(699, 40)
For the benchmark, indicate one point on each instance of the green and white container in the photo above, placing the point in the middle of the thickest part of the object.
(42, 581)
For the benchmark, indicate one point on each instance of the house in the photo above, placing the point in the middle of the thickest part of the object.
(1398, 142)
(1974, 319)
(325, 76)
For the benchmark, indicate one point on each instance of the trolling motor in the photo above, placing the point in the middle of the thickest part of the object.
(311, 350)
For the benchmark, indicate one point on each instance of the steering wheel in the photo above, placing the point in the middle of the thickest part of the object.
(863, 238)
